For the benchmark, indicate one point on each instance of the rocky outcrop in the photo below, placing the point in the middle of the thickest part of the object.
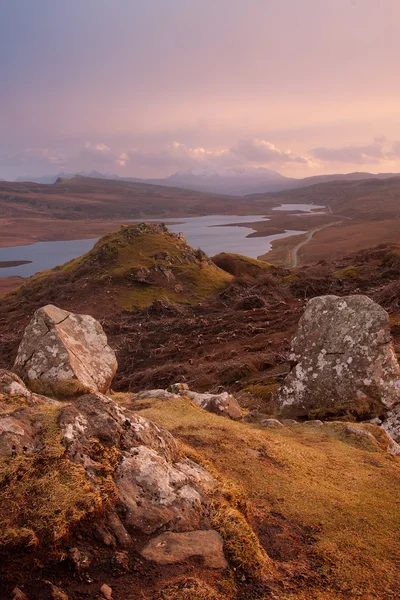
(223, 404)
(65, 354)
(344, 362)
(169, 548)
(154, 485)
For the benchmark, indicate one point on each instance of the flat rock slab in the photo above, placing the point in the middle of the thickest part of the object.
(169, 548)
(65, 354)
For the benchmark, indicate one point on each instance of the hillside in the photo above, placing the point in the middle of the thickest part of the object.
(303, 510)
(129, 269)
(86, 207)
(363, 213)
(207, 326)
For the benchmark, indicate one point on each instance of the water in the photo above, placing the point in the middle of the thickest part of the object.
(304, 208)
(44, 255)
(206, 233)
(209, 234)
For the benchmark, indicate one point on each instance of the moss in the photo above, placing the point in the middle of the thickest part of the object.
(65, 388)
(43, 495)
(239, 265)
(347, 273)
(331, 484)
(264, 392)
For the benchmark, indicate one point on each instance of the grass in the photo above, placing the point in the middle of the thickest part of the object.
(44, 495)
(338, 487)
(239, 265)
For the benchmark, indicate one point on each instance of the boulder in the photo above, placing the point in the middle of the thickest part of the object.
(221, 404)
(344, 362)
(169, 548)
(65, 354)
(155, 487)
(149, 394)
(272, 423)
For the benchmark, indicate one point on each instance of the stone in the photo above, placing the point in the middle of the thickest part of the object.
(223, 404)
(18, 594)
(80, 559)
(344, 362)
(314, 423)
(155, 486)
(170, 548)
(12, 385)
(56, 592)
(65, 354)
(273, 423)
(391, 422)
(149, 394)
(178, 388)
(289, 422)
(106, 591)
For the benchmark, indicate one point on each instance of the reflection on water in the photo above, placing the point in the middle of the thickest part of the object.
(208, 233)
(304, 208)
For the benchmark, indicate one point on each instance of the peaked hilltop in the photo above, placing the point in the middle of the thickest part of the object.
(130, 269)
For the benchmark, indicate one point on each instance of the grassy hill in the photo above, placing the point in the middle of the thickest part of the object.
(127, 269)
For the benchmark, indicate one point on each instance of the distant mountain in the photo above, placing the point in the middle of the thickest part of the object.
(232, 181)
(357, 176)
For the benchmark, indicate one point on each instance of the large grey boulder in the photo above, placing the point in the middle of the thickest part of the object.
(344, 361)
(65, 354)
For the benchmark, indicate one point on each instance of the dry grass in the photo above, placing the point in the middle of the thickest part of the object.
(340, 488)
(188, 588)
(43, 495)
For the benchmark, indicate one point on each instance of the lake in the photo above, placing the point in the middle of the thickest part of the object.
(303, 208)
(208, 233)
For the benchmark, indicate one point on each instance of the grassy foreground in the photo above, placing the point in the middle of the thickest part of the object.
(324, 502)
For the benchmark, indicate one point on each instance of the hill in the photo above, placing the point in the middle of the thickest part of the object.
(364, 213)
(234, 181)
(129, 269)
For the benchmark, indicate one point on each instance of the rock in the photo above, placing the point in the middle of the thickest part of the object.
(169, 548)
(220, 404)
(106, 591)
(289, 422)
(20, 432)
(80, 558)
(156, 494)
(391, 422)
(344, 362)
(375, 421)
(178, 388)
(18, 594)
(149, 394)
(57, 593)
(12, 385)
(65, 354)
(155, 487)
(314, 423)
(122, 536)
(273, 423)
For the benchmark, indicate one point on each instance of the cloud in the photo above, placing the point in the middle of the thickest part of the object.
(247, 151)
(380, 150)
(32, 157)
(261, 151)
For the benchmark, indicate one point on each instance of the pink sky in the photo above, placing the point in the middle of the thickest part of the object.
(146, 87)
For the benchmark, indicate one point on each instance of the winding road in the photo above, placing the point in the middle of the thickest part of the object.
(296, 249)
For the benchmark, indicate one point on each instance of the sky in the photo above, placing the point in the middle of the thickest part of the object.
(148, 87)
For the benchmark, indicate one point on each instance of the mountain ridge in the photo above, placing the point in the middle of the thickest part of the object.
(232, 181)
